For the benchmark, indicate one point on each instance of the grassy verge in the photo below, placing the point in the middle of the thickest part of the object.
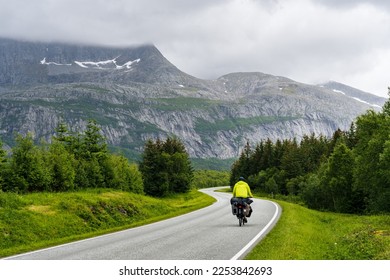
(33, 221)
(304, 234)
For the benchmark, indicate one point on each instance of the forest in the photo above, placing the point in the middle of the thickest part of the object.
(81, 160)
(346, 173)
(72, 161)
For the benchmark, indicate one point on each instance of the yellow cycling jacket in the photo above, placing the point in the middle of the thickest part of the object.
(241, 189)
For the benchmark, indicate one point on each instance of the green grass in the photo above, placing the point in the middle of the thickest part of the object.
(304, 234)
(210, 178)
(33, 221)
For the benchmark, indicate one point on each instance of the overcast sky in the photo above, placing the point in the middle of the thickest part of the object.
(310, 41)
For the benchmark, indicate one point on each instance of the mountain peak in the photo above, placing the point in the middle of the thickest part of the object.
(24, 63)
(135, 93)
(357, 94)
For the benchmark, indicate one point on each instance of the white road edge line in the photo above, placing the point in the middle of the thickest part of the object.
(243, 250)
(107, 234)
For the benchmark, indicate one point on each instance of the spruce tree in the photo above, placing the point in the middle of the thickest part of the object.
(152, 167)
(30, 173)
(165, 167)
(62, 167)
(339, 179)
(178, 165)
(371, 177)
(2, 153)
(94, 144)
(2, 164)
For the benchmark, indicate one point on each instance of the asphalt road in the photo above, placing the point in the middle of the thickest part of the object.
(211, 233)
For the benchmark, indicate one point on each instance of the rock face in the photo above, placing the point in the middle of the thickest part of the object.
(136, 94)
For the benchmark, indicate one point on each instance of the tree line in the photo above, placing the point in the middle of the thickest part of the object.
(348, 172)
(74, 161)
(166, 167)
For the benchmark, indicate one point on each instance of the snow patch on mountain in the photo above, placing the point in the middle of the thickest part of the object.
(43, 61)
(106, 64)
(357, 99)
(127, 65)
(338, 91)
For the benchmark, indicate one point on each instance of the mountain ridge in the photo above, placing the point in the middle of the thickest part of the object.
(135, 93)
(355, 93)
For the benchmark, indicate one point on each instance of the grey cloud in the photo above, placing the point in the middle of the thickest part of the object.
(299, 39)
(346, 4)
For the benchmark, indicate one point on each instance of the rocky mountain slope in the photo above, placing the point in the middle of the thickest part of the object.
(135, 94)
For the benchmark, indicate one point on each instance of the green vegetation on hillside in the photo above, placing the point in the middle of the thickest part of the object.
(165, 167)
(212, 164)
(75, 161)
(71, 162)
(74, 188)
(210, 178)
(348, 173)
(203, 126)
(183, 103)
(38, 220)
(344, 176)
(304, 234)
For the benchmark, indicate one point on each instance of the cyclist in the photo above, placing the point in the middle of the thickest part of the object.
(242, 190)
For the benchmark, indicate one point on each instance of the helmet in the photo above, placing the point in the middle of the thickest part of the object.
(241, 179)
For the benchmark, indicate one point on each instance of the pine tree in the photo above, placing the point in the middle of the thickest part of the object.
(126, 176)
(30, 172)
(62, 133)
(292, 160)
(152, 167)
(2, 165)
(268, 154)
(257, 159)
(179, 165)
(2, 153)
(166, 167)
(94, 144)
(242, 167)
(339, 179)
(351, 138)
(62, 167)
(381, 201)
(371, 178)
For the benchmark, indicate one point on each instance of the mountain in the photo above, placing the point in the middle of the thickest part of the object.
(361, 96)
(26, 63)
(135, 93)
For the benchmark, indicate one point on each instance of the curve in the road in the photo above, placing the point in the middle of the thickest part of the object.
(260, 235)
(208, 233)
